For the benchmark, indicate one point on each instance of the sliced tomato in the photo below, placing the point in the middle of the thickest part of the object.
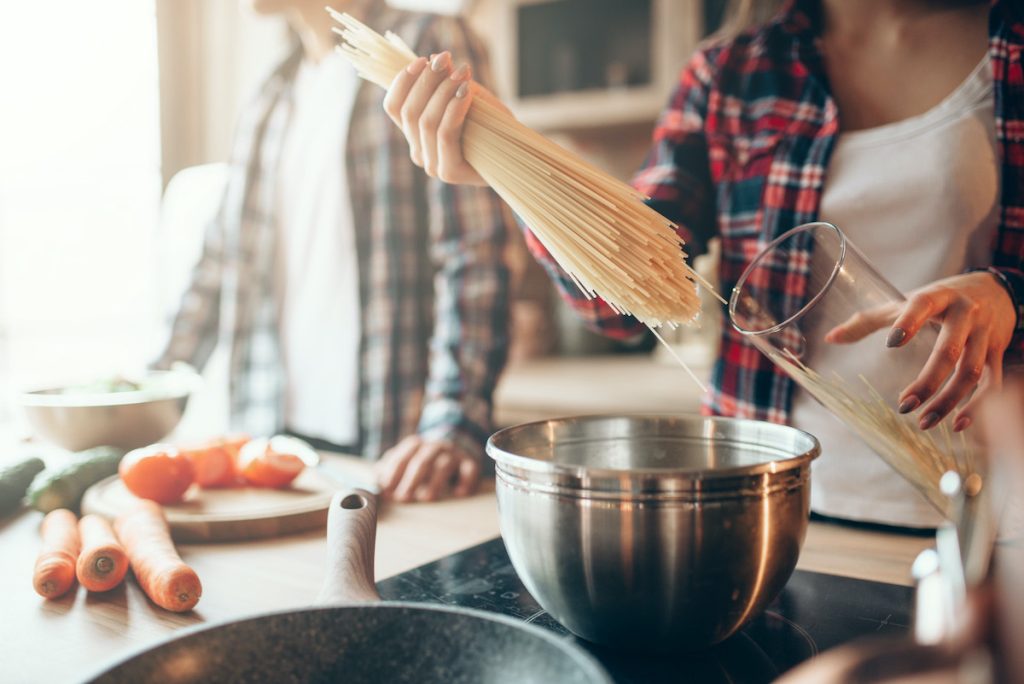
(273, 462)
(214, 461)
(213, 466)
(159, 472)
(233, 443)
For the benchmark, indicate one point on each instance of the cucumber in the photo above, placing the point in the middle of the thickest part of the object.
(64, 487)
(14, 481)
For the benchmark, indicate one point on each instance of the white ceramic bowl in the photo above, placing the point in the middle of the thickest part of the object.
(78, 418)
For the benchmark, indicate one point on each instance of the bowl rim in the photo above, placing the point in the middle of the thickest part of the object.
(54, 397)
(504, 458)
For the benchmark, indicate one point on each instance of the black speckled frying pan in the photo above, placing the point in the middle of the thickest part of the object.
(364, 639)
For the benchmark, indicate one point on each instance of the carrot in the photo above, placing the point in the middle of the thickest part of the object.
(54, 573)
(161, 573)
(103, 562)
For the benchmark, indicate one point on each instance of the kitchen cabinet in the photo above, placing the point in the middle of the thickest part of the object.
(570, 64)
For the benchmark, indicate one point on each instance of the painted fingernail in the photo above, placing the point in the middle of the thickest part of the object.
(896, 337)
(416, 66)
(962, 423)
(909, 404)
(441, 62)
(463, 90)
(929, 420)
(461, 73)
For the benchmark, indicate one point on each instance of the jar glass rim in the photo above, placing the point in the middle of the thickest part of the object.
(770, 247)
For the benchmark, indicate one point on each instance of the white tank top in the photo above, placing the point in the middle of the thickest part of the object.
(318, 269)
(920, 198)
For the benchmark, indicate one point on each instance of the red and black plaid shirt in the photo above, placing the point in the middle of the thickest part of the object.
(741, 152)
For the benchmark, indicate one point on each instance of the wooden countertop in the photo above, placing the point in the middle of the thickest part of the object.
(556, 386)
(64, 640)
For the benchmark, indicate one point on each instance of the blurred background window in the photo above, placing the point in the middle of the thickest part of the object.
(104, 102)
(79, 187)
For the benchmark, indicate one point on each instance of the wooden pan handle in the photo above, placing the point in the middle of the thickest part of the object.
(351, 538)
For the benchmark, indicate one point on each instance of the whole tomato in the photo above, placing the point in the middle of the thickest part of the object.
(274, 462)
(159, 472)
(214, 461)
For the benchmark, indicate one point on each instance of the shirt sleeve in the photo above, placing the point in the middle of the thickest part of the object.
(676, 179)
(194, 326)
(469, 232)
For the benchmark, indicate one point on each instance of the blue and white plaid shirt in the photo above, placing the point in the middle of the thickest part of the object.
(433, 277)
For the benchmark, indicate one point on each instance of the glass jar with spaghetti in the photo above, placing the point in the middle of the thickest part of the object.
(840, 285)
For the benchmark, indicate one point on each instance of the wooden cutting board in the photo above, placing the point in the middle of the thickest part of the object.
(208, 515)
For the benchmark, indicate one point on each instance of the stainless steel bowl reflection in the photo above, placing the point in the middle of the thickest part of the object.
(130, 419)
(653, 532)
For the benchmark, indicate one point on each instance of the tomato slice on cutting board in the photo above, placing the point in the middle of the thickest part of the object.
(215, 461)
(273, 462)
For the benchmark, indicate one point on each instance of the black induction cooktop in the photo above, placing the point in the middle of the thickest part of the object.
(813, 613)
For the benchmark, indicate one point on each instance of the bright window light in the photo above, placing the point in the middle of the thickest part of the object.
(79, 190)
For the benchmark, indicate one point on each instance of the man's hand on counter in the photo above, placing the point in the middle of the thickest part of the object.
(418, 469)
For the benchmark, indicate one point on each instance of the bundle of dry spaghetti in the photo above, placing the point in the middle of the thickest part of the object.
(922, 458)
(597, 228)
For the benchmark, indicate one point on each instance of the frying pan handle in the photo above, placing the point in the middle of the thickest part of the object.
(351, 538)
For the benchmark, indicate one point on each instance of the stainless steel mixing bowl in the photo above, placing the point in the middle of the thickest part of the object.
(653, 532)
